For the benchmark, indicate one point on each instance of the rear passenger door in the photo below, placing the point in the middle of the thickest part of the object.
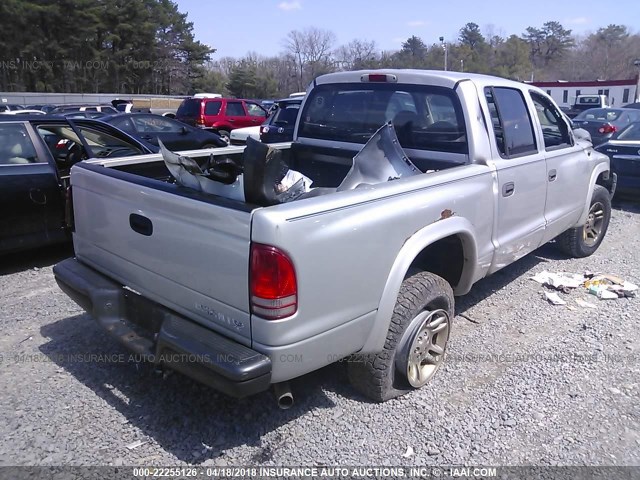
(568, 171)
(236, 115)
(30, 194)
(521, 177)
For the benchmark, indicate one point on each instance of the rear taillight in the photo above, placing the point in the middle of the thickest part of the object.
(607, 128)
(200, 121)
(264, 129)
(272, 280)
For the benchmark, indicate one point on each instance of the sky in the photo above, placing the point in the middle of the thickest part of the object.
(241, 26)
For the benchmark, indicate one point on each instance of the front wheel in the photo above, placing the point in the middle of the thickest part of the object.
(584, 241)
(416, 341)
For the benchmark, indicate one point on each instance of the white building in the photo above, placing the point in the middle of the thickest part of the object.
(619, 92)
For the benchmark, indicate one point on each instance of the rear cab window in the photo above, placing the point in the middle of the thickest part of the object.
(511, 122)
(286, 114)
(425, 117)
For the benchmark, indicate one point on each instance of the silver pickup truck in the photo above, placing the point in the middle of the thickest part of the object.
(242, 295)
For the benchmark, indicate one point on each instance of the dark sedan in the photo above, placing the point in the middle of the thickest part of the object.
(602, 123)
(624, 151)
(36, 154)
(174, 134)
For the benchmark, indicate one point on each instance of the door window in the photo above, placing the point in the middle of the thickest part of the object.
(15, 145)
(555, 130)
(255, 110)
(124, 124)
(211, 108)
(235, 109)
(105, 145)
(511, 122)
(156, 124)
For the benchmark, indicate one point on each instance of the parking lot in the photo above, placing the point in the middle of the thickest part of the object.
(525, 382)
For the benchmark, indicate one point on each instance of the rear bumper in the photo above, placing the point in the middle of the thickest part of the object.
(163, 337)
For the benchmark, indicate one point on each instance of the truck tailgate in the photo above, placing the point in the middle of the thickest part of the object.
(182, 250)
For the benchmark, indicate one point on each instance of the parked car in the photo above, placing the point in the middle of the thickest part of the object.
(23, 112)
(83, 114)
(42, 107)
(585, 102)
(82, 108)
(280, 124)
(5, 107)
(602, 123)
(36, 154)
(239, 136)
(174, 134)
(632, 105)
(221, 114)
(623, 148)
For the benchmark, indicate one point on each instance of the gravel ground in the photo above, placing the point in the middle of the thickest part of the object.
(568, 395)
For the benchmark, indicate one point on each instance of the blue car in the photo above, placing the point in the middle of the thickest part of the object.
(280, 124)
(624, 151)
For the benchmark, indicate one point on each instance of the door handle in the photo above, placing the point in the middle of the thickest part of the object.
(141, 224)
(37, 196)
(552, 175)
(508, 189)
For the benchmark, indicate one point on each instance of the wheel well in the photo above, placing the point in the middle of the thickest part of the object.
(606, 180)
(444, 258)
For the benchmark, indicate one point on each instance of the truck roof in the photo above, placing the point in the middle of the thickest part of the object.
(430, 77)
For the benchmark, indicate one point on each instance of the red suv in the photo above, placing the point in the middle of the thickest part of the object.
(220, 114)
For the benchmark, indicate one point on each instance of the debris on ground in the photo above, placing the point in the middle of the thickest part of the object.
(554, 298)
(136, 444)
(603, 286)
(583, 304)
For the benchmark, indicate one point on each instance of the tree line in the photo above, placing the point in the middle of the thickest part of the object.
(544, 53)
(93, 46)
(148, 46)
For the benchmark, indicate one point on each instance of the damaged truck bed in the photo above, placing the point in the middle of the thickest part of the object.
(400, 190)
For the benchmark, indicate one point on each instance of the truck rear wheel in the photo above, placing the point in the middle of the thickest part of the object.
(416, 341)
(584, 241)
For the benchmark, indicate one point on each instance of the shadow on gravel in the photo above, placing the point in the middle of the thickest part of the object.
(626, 205)
(187, 419)
(492, 284)
(41, 257)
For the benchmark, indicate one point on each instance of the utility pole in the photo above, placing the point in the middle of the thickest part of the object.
(444, 47)
(636, 63)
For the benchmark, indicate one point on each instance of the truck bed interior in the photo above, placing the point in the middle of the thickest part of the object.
(327, 167)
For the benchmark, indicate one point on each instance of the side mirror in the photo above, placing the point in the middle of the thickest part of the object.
(184, 130)
(581, 134)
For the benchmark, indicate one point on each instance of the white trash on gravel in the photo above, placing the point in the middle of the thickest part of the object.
(554, 299)
(603, 286)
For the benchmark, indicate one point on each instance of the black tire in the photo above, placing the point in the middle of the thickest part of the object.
(383, 376)
(580, 242)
